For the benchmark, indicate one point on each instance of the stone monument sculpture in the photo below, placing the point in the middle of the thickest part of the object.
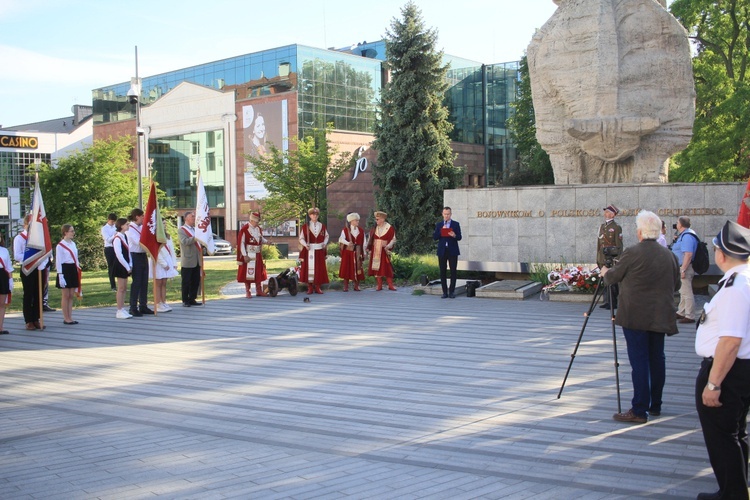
(613, 92)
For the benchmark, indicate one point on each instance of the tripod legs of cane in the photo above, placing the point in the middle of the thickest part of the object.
(598, 292)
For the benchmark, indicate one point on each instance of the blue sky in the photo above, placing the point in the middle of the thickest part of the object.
(54, 52)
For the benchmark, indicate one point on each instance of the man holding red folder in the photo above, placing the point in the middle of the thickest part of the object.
(448, 234)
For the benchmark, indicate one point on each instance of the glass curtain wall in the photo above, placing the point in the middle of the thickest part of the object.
(337, 88)
(502, 89)
(177, 161)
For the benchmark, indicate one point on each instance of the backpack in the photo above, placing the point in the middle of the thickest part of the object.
(700, 259)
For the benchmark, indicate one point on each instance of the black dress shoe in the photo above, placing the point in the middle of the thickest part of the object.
(185, 304)
(195, 303)
(444, 296)
(136, 313)
(145, 310)
(709, 496)
(48, 309)
(452, 295)
(604, 306)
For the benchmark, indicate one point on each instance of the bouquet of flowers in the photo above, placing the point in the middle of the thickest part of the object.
(572, 279)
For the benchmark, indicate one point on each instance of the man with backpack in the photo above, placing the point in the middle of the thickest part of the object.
(684, 248)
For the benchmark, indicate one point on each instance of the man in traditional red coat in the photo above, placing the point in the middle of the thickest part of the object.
(249, 244)
(352, 242)
(380, 244)
(313, 239)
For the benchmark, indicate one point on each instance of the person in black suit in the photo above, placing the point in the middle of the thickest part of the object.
(448, 234)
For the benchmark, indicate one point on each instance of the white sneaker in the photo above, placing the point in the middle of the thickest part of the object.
(163, 308)
(122, 314)
(167, 306)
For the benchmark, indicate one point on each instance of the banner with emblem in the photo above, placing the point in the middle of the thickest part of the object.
(153, 236)
(203, 232)
(38, 243)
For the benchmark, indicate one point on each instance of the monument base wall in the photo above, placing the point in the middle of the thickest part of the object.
(510, 229)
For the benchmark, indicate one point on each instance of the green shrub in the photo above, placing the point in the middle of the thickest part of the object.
(270, 252)
(539, 272)
(333, 249)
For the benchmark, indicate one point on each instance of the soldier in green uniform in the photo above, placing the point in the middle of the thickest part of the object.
(610, 235)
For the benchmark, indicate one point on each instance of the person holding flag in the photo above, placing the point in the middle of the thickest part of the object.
(68, 272)
(32, 247)
(249, 245)
(190, 260)
(139, 273)
(203, 233)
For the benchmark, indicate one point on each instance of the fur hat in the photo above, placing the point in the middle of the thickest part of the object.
(313, 211)
(352, 216)
(378, 213)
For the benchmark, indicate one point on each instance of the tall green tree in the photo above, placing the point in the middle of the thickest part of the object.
(415, 160)
(533, 165)
(84, 188)
(297, 179)
(720, 148)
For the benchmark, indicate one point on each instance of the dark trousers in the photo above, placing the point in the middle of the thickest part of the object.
(191, 282)
(615, 292)
(443, 261)
(139, 287)
(109, 254)
(648, 364)
(725, 427)
(30, 296)
(45, 286)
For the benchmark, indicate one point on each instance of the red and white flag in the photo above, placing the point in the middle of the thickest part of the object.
(38, 242)
(743, 218)
(153, 236)
(203, 232)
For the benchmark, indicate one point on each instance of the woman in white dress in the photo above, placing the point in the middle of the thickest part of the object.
(166, 268)
(6, 282)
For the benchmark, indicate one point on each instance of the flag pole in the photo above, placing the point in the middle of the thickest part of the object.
(41, 297)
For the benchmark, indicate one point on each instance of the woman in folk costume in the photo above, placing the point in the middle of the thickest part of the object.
(313, 239)
(68, 272)
(249, 245)
(379, 245)
(352, 242)
(166, 268)
(122, 266)
(6, 282)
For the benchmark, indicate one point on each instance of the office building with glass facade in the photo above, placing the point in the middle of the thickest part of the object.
(211, 118)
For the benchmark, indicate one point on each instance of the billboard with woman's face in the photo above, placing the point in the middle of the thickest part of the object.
(262, 124)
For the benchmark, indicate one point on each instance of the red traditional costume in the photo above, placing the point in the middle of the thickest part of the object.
(249, 243)
(313, 261)
(351, 260)
(382, 238)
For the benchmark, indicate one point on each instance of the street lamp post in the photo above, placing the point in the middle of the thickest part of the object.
(134, 97)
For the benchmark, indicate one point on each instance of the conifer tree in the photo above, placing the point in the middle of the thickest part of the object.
(415, 160)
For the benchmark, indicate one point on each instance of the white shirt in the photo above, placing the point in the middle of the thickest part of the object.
(63, 256)
(118, 242)
(353, 230)
(134, 238)
(727, 315)
(108, 232)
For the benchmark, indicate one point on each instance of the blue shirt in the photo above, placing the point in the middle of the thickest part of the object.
(685, 243)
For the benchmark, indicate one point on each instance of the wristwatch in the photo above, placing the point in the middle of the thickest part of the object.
(712, 387)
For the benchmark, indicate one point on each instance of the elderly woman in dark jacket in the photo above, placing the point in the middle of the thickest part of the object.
(649, 276)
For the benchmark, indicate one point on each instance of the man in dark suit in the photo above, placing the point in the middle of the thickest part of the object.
(447, 233)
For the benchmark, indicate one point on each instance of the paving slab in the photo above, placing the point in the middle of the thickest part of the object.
(361, 394)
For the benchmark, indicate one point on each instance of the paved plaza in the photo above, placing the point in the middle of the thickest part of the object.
(361, 395)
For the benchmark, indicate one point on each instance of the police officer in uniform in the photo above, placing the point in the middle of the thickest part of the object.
(610, 235)
(722, 388)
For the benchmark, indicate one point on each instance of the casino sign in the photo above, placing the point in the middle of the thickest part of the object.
(17, 141)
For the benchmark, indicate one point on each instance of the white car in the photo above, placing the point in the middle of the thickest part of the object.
(223, 247)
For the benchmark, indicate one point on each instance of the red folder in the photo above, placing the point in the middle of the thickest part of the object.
(445, 232)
